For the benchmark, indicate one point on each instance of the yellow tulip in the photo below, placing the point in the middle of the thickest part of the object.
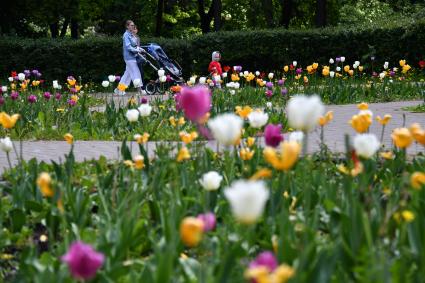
(305, 79)
(387, 155)
(417, 180)
(74, 98)
(310, 69)
(187, 138)
(286, 69)
(285, 158)
(71, 82)
(315, 66)
(361, 122)
(191, 231)
(261, 174)
(139, 162)
(361, 68)
(405, 68)
(283, 273)
(44, 183)
(262, 274)
(8, 122)
(243, 112)
(358, 168)
(69, 138)
(297, 77)
(141, 139)
(346, 68)
(326, 119)
(128, 163)
(407, 215)
(235, 77)
(172, 121)
(78, 87)
(385, 120)
(402, 63)
(250, 141)
(183, 154)
(351, 72)
(122, 87)
(246, 154)
(325, 72)
(250, 77)
(363, 106)
(402, 137)
(418, 133)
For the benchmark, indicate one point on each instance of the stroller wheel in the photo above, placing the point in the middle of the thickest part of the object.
(150, 88)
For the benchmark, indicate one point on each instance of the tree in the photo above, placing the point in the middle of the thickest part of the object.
(320, 13)
(268, 12)
(159, 17)
(213, 12)
(287, 12)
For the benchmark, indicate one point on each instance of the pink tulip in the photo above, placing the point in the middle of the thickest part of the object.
(83, 261)
(209, 221)
(273, 135)
(195, 102)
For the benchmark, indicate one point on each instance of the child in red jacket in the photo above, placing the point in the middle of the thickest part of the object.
(215, 67)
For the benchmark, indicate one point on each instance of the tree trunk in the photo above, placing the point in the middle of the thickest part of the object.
(205, 18)
(268, 12)
(159, 17)
(321, 13)
(217, 6)
(54, 29)
(286, 13)
(64, 27)
(74, 28)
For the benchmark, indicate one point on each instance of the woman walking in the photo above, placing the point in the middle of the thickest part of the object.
(130, 50)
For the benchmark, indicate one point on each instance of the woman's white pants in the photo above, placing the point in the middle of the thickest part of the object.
(131, 73)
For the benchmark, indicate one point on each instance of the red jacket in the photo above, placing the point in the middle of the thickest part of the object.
(215, 67)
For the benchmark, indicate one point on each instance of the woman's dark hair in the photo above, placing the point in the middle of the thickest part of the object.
(127, 23)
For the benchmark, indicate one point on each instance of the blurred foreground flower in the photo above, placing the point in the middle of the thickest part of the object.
(402, 137)
(366, 145)
(141, 139)
(191, 231)
(226, 128)
(273, 135)
(418, 133)
(183, 154)
(417, 180)
(7, 121)
(69, 138)
(247, 200)
(257, 119)
(361, 122)
(304, 112)
(6, 144)
(211, 181)
(195, 102)
(265, 269)
(83, 261)
(209, 221)
(284, 157)
(44, 183)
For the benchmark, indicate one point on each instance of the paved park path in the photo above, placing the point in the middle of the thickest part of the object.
(334, 136)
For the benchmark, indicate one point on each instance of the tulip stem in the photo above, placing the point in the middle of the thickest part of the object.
(305, 145)
(382, 133)
(8, 160)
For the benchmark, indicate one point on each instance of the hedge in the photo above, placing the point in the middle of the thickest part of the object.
(267, 50)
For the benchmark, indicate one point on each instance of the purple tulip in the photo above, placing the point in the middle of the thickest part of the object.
(71, 102)
(38, 75)
(269, 84)
(1, 90)
(1, 100)
(83, 261)
(195, 102)
(58, 96)
(27, 73)
(374, 74)
(117, 78)
(392, 73)
(269, 93)
(71, 78)
(237, 68)
(209, 221)
(144, 100)
(298, 71)
(284, 91)
(34, 72)
(16, 78)
(47, 95)
(14, 95)
(265, 259)
(168, 78)
(272, 135)
(338, 59)
(32, 98)
(280, 82)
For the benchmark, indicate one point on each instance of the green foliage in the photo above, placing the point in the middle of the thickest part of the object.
(264, 50)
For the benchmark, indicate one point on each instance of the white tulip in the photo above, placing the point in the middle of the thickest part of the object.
(55, 84)
(145, 110)
(366, 145)
(224, 75)
(395, 69)
(386, 65)
(6, 144)
(111, 78)
(332, 74)
(4, 88)
(237, 85)
(338, 69)
(137, 82)
(294, 63)
(366, 112)
(21, 76)
(257, 119)
(382, 75)
(296, 136)
(269, 105)
(357, 63)
(257, 73)
(202, 80)
(132, 115)
(230, 85)
(342, 59)
(247, 200)
(192, 80)
(163, 79)
(105, 83)
(161, 73)
(226, 128)
(304, 111)
(10, 79)
(232, 91)
(211, 181)
(246, 73)
(211, 84)
(270, 76)
(217, 78)
(240, 74)
(331, 61)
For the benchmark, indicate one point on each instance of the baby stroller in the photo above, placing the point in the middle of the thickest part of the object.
(153, 55)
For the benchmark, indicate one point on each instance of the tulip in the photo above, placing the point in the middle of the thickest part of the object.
(418, 133)
(132, 115)
(47, 95)
(21, 76)
(387, 155)
(261, 174)
(161, 73)
(44, 183)
(183, 154)
(226, 128)
(191, 231)
(342, 59)
(246, 154)
(243, 112)
(188, 138)
(332, 74)
(211, 181)
(269, 105)
(323, 120)
(247, 200)
(6, 144)
(8, 122)
(273, 135)
(83, 261)
(141, 139)
(1, 100)
(209, 221)
(58, 96)
(111, 78)
(402, 63)
(270, 76)
(361, 122)
(385, 120)
(366, 145)
(285, 158)
(297, 136)
(139, 162)
(331, 61)
(14, 95)
(386, 65)
(3, 88)
(69, 138)
(402, 137)
(417, 180)
(224, 75)
(257, 119)
(303, 111)
(195, 102)
(294, 63)
(284, 91)
(145, 110)
(105, 83)
(32, 98)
